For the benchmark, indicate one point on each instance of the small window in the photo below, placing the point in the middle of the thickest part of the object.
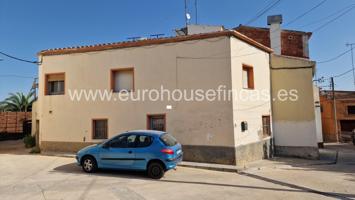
(99, 129)
(156, 122)
(125, 141)
(144, 141)
(248, 77)
(122, 80)
(266, 125)
(55, 84)
(351, 110)
(244, 126)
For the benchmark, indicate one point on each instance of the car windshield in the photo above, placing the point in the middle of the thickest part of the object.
(168, 140)
(103, 142)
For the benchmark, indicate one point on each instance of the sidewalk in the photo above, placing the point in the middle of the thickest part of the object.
(327, 157)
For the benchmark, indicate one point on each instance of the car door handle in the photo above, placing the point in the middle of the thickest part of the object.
(129, 151)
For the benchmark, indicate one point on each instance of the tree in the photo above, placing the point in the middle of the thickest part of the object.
(18, 102)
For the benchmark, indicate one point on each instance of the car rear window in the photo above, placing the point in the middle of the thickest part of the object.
(168, 140)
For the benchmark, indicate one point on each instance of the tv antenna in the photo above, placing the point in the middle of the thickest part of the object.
(188, 15)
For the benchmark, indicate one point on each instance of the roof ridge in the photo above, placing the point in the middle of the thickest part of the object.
(266, 28)
(151, 41)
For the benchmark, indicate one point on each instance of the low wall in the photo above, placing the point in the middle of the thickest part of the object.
(298, 152)
(209, 154)
(254, 151)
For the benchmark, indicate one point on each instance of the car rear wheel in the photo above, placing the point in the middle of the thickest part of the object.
(89, 164)
(156, 170)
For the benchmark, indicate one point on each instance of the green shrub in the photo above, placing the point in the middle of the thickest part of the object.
(30, 141)
(35, 150)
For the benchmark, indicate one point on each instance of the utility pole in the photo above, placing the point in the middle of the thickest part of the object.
(352, 59)
(334, 108)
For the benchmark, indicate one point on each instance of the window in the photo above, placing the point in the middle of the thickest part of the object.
(124, 141)
(144, 141)
(156, 122)
(168, 140)
(122, 80)
(99, 127)
(248, 77)
(351, 110)
(266, 125)
(55, 84)
(244, 126)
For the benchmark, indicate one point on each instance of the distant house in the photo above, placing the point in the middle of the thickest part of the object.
(343, 122)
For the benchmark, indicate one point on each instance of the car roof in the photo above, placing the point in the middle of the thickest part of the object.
(146, 132)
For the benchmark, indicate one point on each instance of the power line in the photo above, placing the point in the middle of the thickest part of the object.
(342, 74)
(335, 58)
(302, 15)
(331, 15)
(263, 11)
(305, 13)
(19, 59)
(334, 19)
(16, 76)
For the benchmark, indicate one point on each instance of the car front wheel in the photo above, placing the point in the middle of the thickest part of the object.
(156, 170)
(89, 164)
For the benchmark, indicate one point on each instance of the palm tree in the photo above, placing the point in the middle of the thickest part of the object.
(18, 102)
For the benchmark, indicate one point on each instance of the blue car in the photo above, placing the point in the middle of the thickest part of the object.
(145, 150)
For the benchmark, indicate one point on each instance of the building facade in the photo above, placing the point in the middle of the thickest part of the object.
(295, 123)
(227, 132)
(337, 121)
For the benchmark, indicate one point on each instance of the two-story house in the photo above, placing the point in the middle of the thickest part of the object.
(231, 131)
(248, 61)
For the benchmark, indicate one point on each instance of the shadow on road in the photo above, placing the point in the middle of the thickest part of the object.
(72, 168)
(338, 158)
(301, 188)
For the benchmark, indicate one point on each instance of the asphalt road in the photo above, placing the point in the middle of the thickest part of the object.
(24, 176)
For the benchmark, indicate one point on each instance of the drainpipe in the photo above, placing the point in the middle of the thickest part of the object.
(272, 145)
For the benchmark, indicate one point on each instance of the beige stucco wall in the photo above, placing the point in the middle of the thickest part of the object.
(318, 114)
(34, 118)
(192, 123)
(294, 121)
(253, 110)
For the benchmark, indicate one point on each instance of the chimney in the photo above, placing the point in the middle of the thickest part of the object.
(275, 21)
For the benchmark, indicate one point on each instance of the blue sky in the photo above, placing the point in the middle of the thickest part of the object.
(28, 26)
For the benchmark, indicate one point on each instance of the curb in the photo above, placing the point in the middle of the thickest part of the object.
(64, 155)
(213, 167)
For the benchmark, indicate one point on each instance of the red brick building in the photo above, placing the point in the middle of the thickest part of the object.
(293, 43)
(345, 114)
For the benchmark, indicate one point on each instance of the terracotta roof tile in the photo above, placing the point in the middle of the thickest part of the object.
(155, 41)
